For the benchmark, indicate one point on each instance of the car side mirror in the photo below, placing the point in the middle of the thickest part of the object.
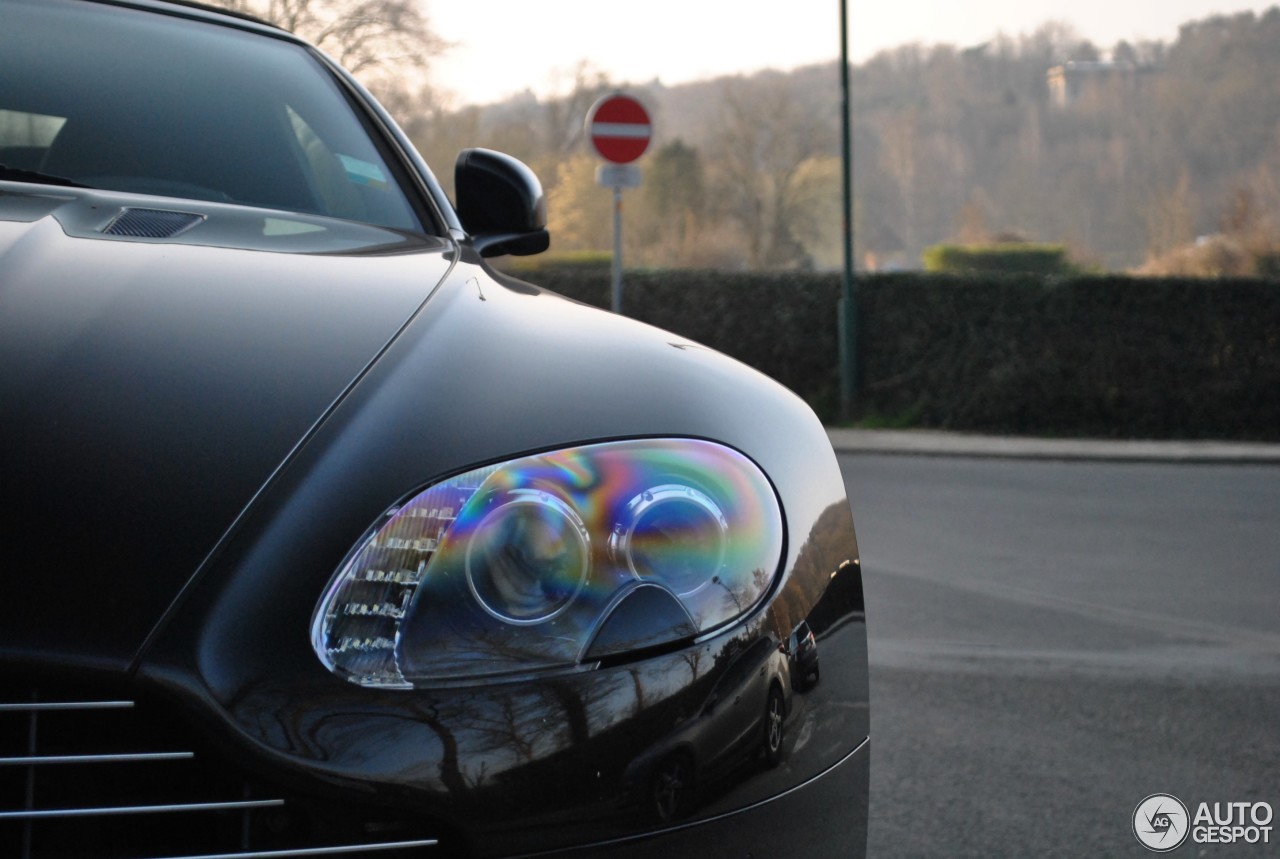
(500, 204)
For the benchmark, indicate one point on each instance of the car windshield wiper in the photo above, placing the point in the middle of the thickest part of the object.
(17, 174)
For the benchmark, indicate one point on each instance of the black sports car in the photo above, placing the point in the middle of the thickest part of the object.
(323, 538)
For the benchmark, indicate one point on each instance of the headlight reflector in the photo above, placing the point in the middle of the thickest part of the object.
(520, 567)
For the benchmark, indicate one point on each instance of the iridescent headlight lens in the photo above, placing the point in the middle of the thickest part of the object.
(553, 562)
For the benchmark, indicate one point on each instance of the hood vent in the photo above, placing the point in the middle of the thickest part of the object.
(151, 223)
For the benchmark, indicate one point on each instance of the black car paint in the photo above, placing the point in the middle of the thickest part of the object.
(542, 358)
(149, 389)
(194, 437)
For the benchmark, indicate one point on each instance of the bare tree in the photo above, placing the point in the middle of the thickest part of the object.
(362, 35)
(1171, 218)
(564, 128)
(765, 134)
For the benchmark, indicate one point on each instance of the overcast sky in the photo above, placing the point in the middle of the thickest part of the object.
(502, 47)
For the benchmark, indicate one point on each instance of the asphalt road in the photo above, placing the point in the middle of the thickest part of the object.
(1052, 642)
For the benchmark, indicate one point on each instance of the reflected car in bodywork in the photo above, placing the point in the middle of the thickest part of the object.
(802, 655)
(740, 724)
(326, 538)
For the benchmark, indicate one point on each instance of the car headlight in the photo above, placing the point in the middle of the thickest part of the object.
(552, 562)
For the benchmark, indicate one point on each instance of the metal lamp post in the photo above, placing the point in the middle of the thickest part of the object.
(848, 311)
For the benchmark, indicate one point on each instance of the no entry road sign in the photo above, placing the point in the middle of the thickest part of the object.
(619, 128)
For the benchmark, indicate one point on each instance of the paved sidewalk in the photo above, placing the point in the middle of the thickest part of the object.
(934, 443)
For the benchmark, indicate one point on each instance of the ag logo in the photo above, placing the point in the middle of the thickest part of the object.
(1160, 822)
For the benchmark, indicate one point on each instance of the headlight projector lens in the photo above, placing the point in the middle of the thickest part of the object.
(672, 534)
(527, 558)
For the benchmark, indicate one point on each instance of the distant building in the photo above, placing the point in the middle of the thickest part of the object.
(1071, 82)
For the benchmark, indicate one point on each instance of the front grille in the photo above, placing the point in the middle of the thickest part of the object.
(110, 778)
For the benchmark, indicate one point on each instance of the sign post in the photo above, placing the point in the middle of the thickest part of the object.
(620, 129)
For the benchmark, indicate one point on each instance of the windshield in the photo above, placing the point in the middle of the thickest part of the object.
(127, 100)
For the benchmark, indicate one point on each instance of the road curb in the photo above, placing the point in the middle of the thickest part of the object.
(935, 443)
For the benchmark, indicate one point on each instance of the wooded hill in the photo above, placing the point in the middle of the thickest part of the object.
(1147, 148)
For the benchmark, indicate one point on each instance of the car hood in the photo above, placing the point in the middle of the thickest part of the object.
(150, 387)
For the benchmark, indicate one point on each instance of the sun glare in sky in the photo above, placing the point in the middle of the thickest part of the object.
(502, 48)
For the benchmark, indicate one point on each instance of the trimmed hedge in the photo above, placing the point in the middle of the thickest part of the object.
(1004, 258)
(1268, 265)
(1101, 356)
